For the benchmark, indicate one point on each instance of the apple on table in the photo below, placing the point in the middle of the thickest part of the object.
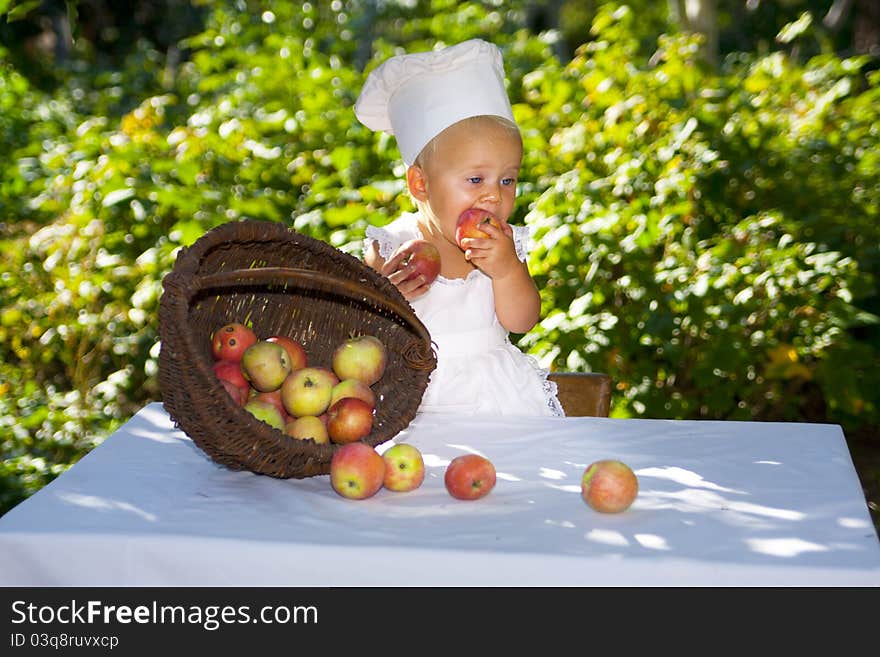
(469, 477)
(356, 471)
(609, 486)
(404, 468)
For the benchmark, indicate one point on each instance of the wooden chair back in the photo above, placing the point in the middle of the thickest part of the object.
(583, 394)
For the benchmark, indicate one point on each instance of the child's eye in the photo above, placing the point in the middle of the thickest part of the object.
(508, 181)
(475, 180)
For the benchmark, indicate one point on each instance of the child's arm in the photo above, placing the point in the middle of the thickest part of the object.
(410, 289)
(517, 302)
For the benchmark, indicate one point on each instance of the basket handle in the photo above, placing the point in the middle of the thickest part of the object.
(415, 356)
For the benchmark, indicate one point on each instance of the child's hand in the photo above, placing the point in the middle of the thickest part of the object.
(494, 255)
(411, 286)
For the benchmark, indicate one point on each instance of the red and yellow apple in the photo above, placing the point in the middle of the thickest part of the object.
(363, 358)
(349, 419)
(353, 388)
(294, 349)
(404, 468)
(469, 222)
(230, 341)
(265, 412)
(356, 471)
(307, 427)
(423, 257)
(307, 391)
(265, 365)
(469, 477)
(272, 397)
(609, 486)
(239, 395)
(230, 370)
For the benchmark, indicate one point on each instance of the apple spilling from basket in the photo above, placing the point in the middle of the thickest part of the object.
(273, 380)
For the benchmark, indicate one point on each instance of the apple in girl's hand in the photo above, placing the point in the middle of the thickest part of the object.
(609, 486)
(353, 388)
(229, 342)
(307, 391)
(469, 222)
(424, 258)
(349, 419)
(265, 412)
(363, 358)
(294, 349)
(307, 427)
(404, 468)
(469, 477)
(265, 365)
(356, 471)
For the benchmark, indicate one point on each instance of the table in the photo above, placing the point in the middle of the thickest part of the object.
(720, 504)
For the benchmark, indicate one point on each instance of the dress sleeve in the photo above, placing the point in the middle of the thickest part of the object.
(522, 241)
(387, 241)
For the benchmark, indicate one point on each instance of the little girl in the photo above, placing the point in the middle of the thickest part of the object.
(452, 119)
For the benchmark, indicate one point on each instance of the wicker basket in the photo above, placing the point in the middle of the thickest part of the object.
(282, 283)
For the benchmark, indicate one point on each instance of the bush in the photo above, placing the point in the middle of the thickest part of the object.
(708, 239)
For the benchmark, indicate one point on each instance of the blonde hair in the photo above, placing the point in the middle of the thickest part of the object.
(472, 123)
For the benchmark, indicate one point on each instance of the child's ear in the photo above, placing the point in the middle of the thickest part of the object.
(415, 181)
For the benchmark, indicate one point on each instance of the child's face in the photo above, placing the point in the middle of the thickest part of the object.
(473, 164)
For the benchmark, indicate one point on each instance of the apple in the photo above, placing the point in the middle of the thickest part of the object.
(356, 471)
(230, 370)
(469, 477)
(469, 222)
(265, 412)
(363, 358)
(404, 468)
(349, 419)
(307, 391)
(229, 342)
(609, 486)
(239, 395)
(423, 256)
(307, 427)
(273, 397)
(265, 365)
(353, 388)
(294, 349)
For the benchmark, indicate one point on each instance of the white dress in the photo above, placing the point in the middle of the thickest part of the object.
(479, 370)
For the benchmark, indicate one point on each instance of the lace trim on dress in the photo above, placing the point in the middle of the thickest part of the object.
(521, 236)
(387, 241)
(551, 390)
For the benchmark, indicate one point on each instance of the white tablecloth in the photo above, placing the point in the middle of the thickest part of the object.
(720, 504)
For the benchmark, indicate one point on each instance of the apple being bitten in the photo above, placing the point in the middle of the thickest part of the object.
(423, 257)
(609, 486)
(469, 477)
(363, 358)
(404, 468)
(356, 471)
(469, 222)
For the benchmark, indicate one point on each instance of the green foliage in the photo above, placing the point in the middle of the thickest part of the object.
(710, 239)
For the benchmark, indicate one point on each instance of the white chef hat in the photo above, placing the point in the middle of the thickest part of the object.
(416, 96)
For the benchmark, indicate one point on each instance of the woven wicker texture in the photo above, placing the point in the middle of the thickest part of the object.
(280, 282)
